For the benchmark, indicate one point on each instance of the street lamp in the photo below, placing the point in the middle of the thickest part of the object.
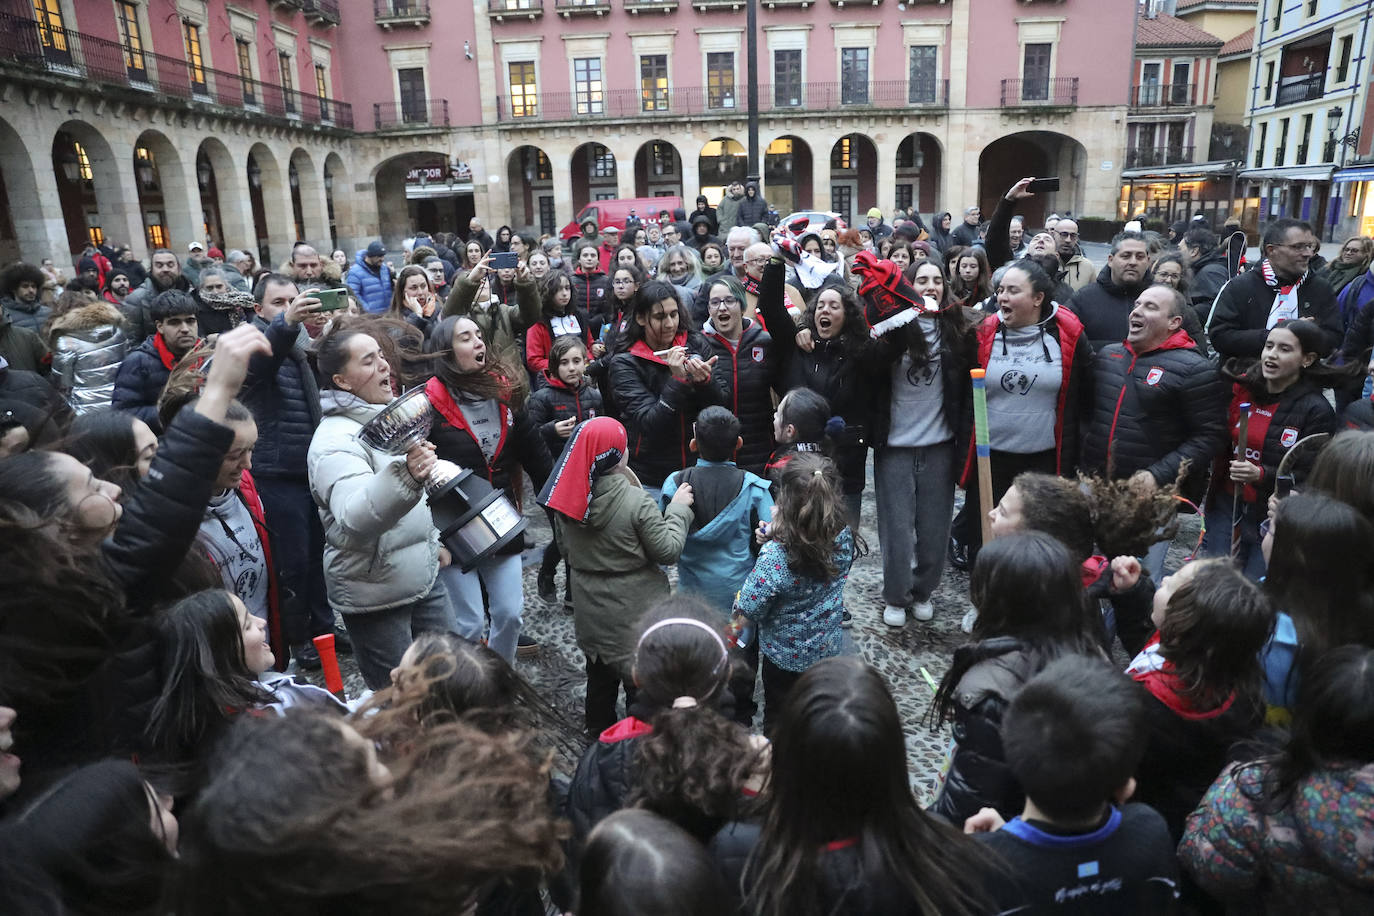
(203, 174)
(254, 173)
(1333, 120)
(70, 163)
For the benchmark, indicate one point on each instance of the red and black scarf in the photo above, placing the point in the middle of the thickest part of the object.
(596, 448)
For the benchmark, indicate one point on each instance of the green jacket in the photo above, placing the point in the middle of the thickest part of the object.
(22, 348)
(501, 323)
(615, 557)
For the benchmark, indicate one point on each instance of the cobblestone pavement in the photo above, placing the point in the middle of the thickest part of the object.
(900, 655)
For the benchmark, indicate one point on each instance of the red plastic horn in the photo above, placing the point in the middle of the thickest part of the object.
(333, 680)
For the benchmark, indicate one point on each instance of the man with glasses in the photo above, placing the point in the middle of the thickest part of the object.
(1279, 287)
(1078, 270)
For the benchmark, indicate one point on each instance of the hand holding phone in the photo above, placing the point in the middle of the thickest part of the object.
(1043, 185)
(504, 260)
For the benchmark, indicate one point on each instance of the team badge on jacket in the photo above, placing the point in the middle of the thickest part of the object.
(1289, 437)
(1154, 375)
(757, 354)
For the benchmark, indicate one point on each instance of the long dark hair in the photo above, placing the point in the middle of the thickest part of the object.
(1345, 471)
(553, 281)
(954, 330)
(1321, 573)
(297, 802)
(1214, 629)
(1312, 339)
(637, 862)
(811, 515)
(103, 440)
(809, 411)
(499, 379)
(651, 293)
(693, 766)
(982, 284)
(205, 679)
(87, 846)
(1025, 586)
(398, 309)
(1333, 726)
(1040, 282)
(853, 338)
(840, 727)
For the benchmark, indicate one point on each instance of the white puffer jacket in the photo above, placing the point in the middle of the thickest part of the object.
(88, 344)
(381, 547)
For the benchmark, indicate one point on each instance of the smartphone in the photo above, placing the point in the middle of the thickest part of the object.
(1042, 185)
(1283, 485)
(331, 300)
(504, 260)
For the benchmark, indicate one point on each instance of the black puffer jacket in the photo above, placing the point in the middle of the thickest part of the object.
(1240, 320)
(1209, 276)
(752, 209)
(592, 294)
(978, 775)
(139, 384)
(284, 396)
(521, 450)
(1299, 411)
(846, 374)
(556, 402)
(29, 400)
(748, 371)
(657, 409)
(604, 777)
(1105, 310)
(1153, 410)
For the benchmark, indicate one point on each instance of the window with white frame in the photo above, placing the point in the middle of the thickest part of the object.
(720, 79)
(588, 88)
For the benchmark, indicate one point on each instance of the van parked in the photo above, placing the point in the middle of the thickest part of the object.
(616, 212)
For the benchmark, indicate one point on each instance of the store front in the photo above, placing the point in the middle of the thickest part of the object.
(1352, 202)
(1171, 193)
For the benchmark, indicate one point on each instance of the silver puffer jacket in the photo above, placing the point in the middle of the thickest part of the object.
(88, 344)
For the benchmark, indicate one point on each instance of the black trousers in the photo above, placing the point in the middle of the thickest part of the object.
(777, 684)
(742, 680)
(603, 689)
(968, 522)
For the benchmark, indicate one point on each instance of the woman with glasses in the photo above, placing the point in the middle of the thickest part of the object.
(747, 368)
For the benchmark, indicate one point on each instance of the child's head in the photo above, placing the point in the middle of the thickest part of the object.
(810, 514)
(568, 358)
(801, 416)
(1027, 585)
(637, 862)
(1072, 738)
(715, 435)
(680, 656)
(1345, 471)
(1213, 622)
(1044, 502)
(556, 293)
(1333, 720)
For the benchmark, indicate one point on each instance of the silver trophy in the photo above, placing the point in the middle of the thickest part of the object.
(474, 518)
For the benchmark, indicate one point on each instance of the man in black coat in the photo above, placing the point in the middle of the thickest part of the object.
(144, 372)
(29, 401)
(284, 397)
(966, 233)
(1157, 403)
(1280, 286)
(1105, 305)
(1207, 260)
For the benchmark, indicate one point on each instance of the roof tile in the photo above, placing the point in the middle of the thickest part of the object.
(1170, 31)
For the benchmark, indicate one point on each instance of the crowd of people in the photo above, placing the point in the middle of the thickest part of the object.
(188, 499)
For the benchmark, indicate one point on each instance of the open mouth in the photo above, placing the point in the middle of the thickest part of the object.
(1136, 325)
(1270, 366)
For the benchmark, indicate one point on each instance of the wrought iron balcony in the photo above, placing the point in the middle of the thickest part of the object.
(1152, 157)
(1171, 95)
(701, 100)
(64, 53)
(1059, 90)
(421, 116)
(391, 13)
(635, 7)
(322, 12)
(570, 8)
(501, 10)
(1302, 89)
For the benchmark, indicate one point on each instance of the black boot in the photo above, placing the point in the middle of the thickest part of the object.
(548, 590)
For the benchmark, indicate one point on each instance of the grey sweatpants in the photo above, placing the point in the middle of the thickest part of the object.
(915, 495)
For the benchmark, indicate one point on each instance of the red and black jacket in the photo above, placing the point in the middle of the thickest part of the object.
(591, 292)
(1075, 391)
(1276, 424)
(748, 370)
(539, 339)
(556, 402)
(657, 409)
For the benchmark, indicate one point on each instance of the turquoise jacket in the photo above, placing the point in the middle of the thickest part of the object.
(717, 558)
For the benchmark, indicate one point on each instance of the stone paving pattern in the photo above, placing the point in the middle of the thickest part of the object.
(557, 673)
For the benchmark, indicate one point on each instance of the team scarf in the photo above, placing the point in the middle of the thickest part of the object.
(1156, 674)
(751, 286)
(1285, 305)
(595, 449)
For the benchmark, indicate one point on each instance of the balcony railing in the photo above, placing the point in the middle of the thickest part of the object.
(699, 100)
(322, 11)
(1151, 157)
(501, 10)
(390, 116)
(99, 60)
(1171, 95)
(1059, 90)
(635, 7)
(569, 8)
(1303, 89)
(388, 13)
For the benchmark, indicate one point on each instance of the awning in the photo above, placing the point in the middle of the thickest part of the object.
(438, 189)
(1291, 173)
(1170, 172)
(1365, 173)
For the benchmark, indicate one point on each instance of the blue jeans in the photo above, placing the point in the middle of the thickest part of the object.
(380, 638)
(1249, 557)
(501, 574)
(298, 553)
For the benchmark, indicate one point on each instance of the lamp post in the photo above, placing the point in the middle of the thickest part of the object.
(752, 90)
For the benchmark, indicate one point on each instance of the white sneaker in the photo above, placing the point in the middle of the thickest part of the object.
(969, 620)
(923, 610)
(894, 616)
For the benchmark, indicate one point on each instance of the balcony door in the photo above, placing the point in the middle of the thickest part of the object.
(414, 101)
(1149, 83)
(1035, 73)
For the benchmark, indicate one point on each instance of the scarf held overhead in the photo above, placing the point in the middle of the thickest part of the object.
(596, 448)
